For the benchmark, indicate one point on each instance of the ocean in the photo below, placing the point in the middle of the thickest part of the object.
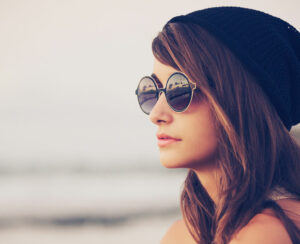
(88, 204)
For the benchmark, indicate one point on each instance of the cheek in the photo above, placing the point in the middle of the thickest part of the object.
(201, 140)
(203, 147)
(197, 148)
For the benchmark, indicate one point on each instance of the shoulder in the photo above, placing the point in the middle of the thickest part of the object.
(263, 228)
(177, 234)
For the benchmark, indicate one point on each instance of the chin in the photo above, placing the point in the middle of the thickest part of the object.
(173, 162)
(170, 165)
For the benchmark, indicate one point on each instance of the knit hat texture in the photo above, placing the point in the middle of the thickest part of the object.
(268, 47)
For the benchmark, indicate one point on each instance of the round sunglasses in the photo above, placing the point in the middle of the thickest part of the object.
(178, 91)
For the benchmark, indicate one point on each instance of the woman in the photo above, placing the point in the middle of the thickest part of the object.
(224, 94)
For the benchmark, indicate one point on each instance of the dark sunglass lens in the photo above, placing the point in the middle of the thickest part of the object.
(147, 94)
(178, 92)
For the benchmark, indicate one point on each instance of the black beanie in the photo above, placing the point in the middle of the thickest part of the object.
(267, 46)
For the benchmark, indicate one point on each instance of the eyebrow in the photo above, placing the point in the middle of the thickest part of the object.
(160, 85)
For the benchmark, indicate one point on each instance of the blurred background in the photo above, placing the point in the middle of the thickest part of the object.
(78, 159)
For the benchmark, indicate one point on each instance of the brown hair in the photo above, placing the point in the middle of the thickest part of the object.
(257, 151)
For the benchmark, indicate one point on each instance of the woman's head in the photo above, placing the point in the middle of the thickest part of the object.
(234, 104)
(242, 132)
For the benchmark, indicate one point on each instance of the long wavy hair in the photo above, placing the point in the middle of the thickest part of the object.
(257, 151)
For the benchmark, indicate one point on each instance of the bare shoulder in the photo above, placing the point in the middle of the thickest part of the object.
(263, 228)
(177, 234)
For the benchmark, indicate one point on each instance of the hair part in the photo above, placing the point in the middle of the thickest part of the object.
(258, 153)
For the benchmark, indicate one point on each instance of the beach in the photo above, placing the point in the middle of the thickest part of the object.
(88, 206)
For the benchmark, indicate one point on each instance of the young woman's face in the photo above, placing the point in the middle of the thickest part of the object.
(195, 141)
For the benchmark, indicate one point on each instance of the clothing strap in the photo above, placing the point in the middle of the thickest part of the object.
(280, 193)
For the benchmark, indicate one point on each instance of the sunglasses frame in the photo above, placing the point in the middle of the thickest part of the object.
(192, 85)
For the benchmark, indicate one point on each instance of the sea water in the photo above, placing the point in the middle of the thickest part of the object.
(88, 204)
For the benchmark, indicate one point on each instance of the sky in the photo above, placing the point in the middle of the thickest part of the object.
(69, 69)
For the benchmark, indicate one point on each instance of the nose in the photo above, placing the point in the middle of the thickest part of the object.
(161, 113)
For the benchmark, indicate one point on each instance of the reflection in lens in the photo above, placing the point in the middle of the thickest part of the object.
(178, 92)
(147, 94)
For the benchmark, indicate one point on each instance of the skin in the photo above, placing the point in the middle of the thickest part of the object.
(197, 150)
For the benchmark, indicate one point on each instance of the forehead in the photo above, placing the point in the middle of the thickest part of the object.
(162, 71)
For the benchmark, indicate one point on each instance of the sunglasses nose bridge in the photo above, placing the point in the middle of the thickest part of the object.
(161, 90)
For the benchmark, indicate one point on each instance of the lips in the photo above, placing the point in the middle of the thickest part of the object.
(165, 140)
(165, 136)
